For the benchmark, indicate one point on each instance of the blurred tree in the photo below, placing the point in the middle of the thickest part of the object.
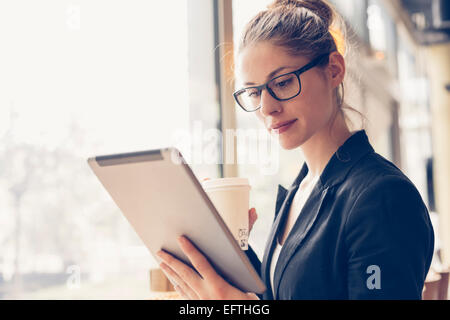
(56, 204)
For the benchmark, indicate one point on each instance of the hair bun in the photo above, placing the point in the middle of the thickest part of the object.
(319, 7)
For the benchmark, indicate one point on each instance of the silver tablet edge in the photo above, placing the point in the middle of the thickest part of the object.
(218, 217)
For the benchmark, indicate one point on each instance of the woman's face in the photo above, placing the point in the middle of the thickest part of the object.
(312, 109)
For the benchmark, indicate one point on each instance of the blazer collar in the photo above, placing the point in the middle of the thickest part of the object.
(353, 149)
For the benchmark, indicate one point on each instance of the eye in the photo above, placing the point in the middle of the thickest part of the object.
(284, 83)
(252, 93)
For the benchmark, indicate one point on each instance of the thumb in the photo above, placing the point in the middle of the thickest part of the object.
(252, 216)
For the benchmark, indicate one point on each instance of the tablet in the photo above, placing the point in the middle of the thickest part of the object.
(162, 199)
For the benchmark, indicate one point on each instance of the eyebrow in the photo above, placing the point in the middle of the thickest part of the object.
(274, 72)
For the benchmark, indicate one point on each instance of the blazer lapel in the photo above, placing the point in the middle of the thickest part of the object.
(281, 196)
(308, 215)
(284, 198)
(270, 243)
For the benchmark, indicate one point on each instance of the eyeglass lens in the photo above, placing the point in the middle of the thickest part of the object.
(283, 87)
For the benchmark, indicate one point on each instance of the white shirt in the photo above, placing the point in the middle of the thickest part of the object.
(301, 195)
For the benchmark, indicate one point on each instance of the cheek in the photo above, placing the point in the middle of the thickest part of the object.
(315, 100)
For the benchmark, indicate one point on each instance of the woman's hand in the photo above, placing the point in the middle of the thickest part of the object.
(190, 285)
(252, 216)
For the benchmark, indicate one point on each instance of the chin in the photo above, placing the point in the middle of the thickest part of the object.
(290, 144)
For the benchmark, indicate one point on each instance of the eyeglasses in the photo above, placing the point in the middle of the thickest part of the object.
(282, 88)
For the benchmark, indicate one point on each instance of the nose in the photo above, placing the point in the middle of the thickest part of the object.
(268, 103)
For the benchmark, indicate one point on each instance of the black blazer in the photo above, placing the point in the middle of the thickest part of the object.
(363, 233)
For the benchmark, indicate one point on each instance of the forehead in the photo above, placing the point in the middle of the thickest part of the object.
(257, 61)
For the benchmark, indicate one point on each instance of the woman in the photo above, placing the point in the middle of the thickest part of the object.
(352, 225)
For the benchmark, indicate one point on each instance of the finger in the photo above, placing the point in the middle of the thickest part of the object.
(181, 292)
(252, 296)
(182, 270)
(186, 291)
(178, 283)
(198, 260)
(252, 216)
(169, 274)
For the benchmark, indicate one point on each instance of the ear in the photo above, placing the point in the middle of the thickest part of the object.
(336, 69)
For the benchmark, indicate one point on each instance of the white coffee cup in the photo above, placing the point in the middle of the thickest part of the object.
(231, 197)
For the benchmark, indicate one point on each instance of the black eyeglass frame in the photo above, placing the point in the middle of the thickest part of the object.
(306, 67)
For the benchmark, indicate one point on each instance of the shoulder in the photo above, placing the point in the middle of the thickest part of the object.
(373, 174)
(375, 188)
(380, 193)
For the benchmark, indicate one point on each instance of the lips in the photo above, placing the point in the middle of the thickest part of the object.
(278, 125)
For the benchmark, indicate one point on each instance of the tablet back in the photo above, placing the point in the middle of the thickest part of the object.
(162, 199)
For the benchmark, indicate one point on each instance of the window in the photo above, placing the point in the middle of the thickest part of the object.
(354, 12)
(81, 79)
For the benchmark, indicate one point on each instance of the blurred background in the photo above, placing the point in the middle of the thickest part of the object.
(83, 78)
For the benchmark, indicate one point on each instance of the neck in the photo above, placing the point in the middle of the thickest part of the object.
(319, 149)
